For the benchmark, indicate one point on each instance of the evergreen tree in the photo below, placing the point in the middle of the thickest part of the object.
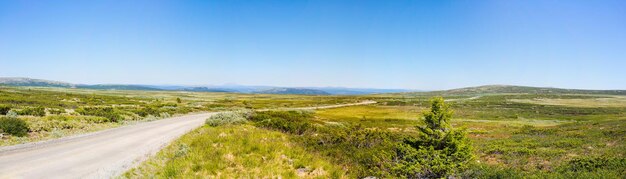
(438, 151)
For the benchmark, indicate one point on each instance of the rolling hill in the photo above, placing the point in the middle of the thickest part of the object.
(18, 81)
(117, 87)
(487, 89)
(232, 88)
(205, 89)
(303, 91)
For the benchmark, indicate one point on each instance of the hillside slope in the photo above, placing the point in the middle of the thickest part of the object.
(303, 91)
(524, 89)
(18, 81)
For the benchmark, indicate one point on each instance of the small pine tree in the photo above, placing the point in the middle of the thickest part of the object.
(439, 150)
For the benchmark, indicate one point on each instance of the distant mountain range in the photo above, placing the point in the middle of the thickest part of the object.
(294, 91)
(306, 90)
(222, 88)
(490, 89)
(33, 82)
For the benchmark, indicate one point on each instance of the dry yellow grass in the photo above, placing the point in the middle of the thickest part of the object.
(615, 101)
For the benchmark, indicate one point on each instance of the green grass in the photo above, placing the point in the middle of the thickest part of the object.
(514, 135)
(235, 151)
(120, 107)
(394, 117)
(537, 140)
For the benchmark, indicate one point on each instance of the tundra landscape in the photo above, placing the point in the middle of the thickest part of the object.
(506, 132)
(363, 89)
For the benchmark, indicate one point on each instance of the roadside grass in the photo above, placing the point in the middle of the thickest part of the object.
(65, 111)
(51, 127)
(235, 151)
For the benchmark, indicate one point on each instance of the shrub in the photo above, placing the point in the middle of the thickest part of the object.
(13, 126)
(11, 113)
(226, 118)
(143, 112)
(33, 111)
(56, 111)
(108, 112)
(589, 164)
(294, 122)
(4, 109)
(59, 122)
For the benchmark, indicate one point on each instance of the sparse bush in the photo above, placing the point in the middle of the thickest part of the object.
(590, 164)
(55, 111)
(4, 109)
(294, 122)
(56, 122)
(32, 111)
(13, 126)
(108, 112)
(226, 118)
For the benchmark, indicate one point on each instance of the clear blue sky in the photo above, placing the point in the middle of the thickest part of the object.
(381, 44)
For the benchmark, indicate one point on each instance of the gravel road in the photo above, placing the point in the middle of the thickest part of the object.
(103, 154)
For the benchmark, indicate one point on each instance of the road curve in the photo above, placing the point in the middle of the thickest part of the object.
(103, 154)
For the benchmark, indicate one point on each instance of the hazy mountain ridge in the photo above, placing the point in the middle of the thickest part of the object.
(19, 81)
(523, 89)
(210, 88)
(205, 89)
(303, 91)
(117, 87)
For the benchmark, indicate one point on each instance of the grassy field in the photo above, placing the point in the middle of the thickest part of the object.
(521, 146)
(235, 151)
(517, 134)
(56, 112)
(513, 135)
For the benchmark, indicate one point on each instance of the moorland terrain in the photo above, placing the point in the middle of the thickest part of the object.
(513, 131)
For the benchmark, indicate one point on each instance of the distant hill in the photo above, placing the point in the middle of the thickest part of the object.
(233, 88)
(205, 89)
(357, 91)
(523, 89)
(118, 87)
(10, 81)
(303, 91)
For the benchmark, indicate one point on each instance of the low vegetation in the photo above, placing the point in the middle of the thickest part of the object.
(506, 134)
(235, 151)
(58, 112)
(361, 152)
(227, 118)
(13, 126)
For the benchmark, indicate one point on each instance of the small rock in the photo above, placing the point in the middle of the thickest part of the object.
(222, 135)
(302, 171)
